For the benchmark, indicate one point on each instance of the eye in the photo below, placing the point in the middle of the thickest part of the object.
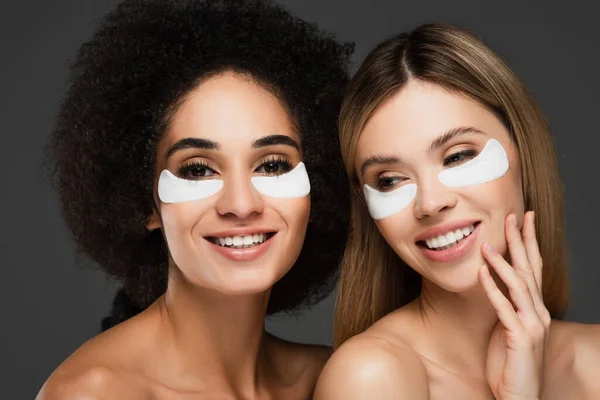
(388, 182)
(459, 157)
(196, 171)
(274, 166)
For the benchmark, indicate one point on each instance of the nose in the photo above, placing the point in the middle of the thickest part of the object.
(433, 197)
(239, 198)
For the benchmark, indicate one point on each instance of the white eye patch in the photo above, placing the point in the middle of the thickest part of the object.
(384, 204)
(172, 189)
(292, 184)
(490, 164)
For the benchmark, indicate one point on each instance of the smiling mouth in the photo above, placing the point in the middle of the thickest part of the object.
(241, 241)
(447, 240)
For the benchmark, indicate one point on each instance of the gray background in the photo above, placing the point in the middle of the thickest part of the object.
(50, 306)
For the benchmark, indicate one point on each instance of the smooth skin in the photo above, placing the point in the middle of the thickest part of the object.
(205, 337)
(479, 329)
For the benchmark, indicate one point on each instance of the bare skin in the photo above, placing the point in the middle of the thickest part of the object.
(140, 359)
(438, 348)
(570, 369)
(205, 338)
(470, 335)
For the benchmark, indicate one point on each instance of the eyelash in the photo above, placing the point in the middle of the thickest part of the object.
(383, 182)
(462, 156)
(281, 161)
(186, 171)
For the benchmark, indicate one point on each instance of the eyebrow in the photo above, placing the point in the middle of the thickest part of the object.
(378, 159)
(195, 143)
(272, 140)
(439, 142)
(451, 134)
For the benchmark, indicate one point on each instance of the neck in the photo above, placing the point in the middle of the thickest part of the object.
(458, 326)
(211, 338)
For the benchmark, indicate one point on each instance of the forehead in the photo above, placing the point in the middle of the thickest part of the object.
(418, 114)
(230, 108)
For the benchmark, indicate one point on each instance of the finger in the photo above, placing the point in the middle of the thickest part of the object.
(517, 287)
(519, 257)
(506, 313)
(535, 260)
(516, 246)
(532, 247)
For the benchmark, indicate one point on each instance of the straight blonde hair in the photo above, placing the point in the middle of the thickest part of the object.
(374, 281)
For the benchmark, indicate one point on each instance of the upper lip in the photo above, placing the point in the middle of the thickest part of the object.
(444, 228)
(240, 232)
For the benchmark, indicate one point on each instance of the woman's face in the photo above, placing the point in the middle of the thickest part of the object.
(418, 133)
(236, 240)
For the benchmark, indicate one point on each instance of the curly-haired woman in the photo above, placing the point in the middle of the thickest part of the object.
(182, 156)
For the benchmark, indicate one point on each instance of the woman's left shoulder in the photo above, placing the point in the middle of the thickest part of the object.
(581, 338)
(574, 352)
(298, 363)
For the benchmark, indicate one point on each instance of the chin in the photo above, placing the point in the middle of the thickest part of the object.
(463, 285)
(461, 278)
(249, 282)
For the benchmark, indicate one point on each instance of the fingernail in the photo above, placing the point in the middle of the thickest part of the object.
(489, 247)
(513, 220)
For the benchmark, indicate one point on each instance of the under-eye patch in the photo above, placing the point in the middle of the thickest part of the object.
(172, 189)
(292, 184)
(384, 204)
(490, 164)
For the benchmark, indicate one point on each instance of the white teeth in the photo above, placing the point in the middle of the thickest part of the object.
(449, 239)
(459, 234)
(241, 241)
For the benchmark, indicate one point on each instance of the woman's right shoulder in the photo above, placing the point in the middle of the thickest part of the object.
(78, 379)
(89, 383)
(102, 368)
(370, 366)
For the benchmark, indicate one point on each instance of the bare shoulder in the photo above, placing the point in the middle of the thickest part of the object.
(297, 361)
(369, 366)
(313, 355)
(574, 350)
(575, 342)
(91, 383)
(102, 368)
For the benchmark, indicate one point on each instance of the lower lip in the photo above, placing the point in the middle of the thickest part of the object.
(245, 254)
(453, 253)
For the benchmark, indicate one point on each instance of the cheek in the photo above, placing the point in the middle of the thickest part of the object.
(507, 193)
(294, 213)
(395, 229)
(179, 219)
(500, 196)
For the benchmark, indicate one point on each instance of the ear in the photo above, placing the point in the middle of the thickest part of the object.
(153, 221)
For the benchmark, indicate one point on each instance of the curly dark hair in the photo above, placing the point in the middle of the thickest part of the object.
(128, 80)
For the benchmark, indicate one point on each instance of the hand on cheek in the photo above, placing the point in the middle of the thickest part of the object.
(515, 360)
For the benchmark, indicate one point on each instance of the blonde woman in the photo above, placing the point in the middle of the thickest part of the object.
(442, 289)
